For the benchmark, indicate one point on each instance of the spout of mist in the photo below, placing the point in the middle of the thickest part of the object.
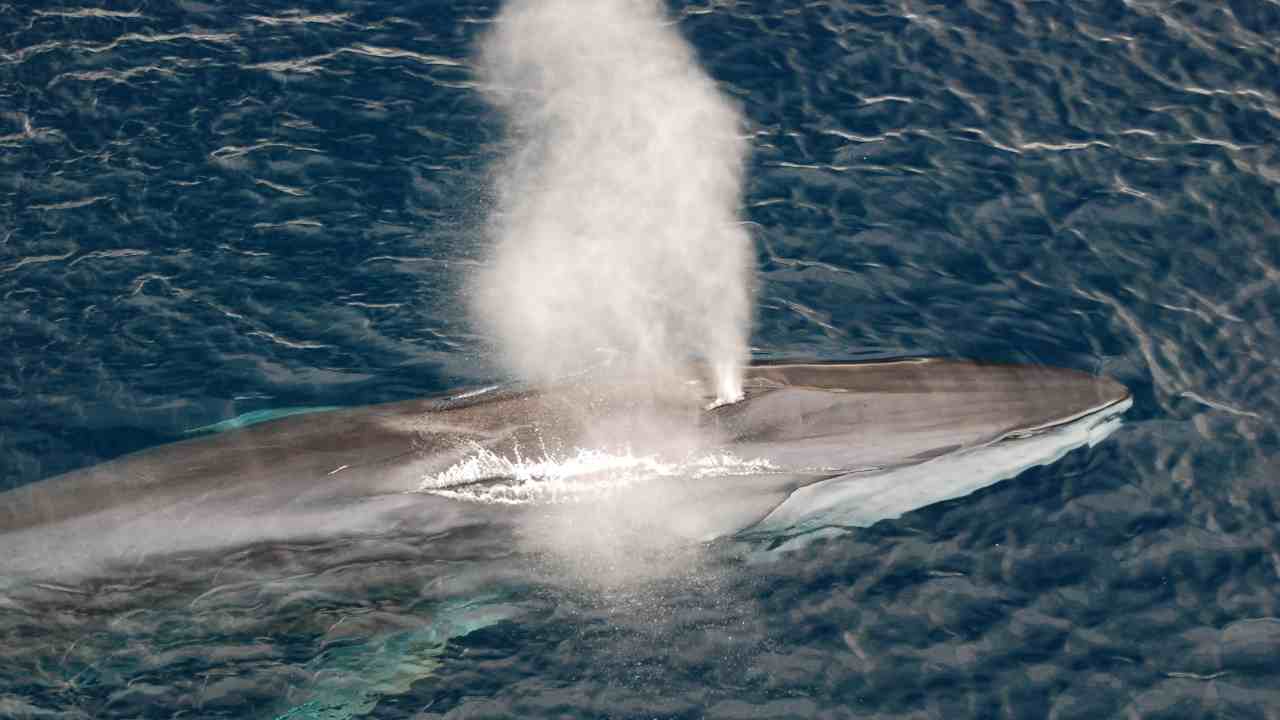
(616, 223)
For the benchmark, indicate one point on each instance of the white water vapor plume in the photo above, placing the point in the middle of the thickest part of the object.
(616, 236)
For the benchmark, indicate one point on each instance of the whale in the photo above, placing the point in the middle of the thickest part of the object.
(457, 499)
(810, 446)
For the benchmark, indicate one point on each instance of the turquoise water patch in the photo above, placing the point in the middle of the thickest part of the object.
(255, 417)
(350, 680)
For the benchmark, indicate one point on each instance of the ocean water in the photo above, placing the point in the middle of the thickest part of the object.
(208, 210)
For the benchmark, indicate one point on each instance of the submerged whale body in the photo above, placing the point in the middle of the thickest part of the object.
(810, 446)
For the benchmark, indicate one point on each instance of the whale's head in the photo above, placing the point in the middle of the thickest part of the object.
(895, 436)
(861, 416)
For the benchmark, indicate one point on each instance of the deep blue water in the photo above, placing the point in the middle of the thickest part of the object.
(213, 209)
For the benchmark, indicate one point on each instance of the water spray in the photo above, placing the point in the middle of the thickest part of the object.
(615, 237)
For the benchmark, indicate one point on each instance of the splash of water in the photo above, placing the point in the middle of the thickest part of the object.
(578, 476)
(616, 240)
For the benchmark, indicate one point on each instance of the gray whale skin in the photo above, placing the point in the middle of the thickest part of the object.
(820, 445)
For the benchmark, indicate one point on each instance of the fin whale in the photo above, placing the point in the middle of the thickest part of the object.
(811, 445)
(444, 509)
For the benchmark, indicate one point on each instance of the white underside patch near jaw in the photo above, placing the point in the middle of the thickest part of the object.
(863, 499)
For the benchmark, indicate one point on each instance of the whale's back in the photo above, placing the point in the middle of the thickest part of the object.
(360, 471)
